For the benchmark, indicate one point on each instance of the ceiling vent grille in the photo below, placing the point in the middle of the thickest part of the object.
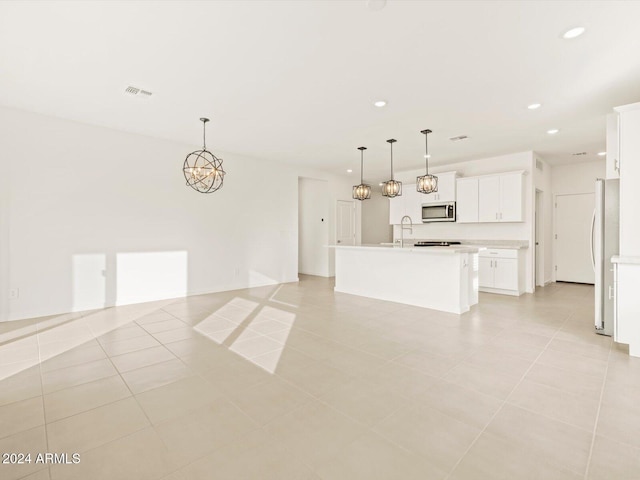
(135, 91)
(458, 138)
(539, 164)
(579, 153)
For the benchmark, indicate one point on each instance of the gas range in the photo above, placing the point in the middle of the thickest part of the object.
(435, 244)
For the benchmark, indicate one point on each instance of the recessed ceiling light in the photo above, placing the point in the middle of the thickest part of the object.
(534, 106)
(380, 103)
(602, 154)
(381, 184)
(375, 5)
(349, 171)
(553, 131)
(573, 32)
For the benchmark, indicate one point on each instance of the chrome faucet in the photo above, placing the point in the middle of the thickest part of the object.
(402, 229)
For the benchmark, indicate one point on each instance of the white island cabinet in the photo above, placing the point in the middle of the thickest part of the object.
(441, 278)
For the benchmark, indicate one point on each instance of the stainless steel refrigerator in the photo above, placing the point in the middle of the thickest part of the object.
(605, 241)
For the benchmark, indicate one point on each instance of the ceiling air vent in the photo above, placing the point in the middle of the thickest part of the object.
(135, 91)
(579, 153)
(458, 138)
(539, 164)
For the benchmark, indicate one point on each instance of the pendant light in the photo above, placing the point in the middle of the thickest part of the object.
(426, 183)
(362, 191)
(392, 188)
(202, 169)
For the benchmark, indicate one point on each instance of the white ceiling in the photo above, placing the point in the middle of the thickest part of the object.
(294, 81)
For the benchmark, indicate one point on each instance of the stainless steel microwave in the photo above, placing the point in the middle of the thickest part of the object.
(439, 212)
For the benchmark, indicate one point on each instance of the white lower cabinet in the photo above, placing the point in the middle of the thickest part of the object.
(501, 270)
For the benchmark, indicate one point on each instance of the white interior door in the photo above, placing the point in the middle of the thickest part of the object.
(346, 223)
(313, 226)
(574, 216)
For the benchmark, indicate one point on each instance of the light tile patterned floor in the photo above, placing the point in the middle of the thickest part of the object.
(297, 382)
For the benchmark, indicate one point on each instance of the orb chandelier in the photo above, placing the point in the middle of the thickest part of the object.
(392, 188)
(202, 169)
(362, 191)
(426, 183)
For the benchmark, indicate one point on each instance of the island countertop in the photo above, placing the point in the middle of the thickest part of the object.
(413, 249)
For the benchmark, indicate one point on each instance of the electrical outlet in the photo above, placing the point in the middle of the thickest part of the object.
(14, 293)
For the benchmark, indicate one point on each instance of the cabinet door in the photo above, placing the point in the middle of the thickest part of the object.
(396, 210)
(430, 197)
(488, 199)
(467, 203)
(485, 272)
(412, 203)
(511, 198)
(505, 273)
(612, 164)
(447, 187)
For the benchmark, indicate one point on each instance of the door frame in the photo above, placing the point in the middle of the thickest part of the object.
(539, 253)
(554, 267)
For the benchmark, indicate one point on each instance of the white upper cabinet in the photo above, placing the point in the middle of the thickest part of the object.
(467, 200)
(613, 146)
(489, 199)
(409, 203)
(501, 197)
(412, 203)
(511, 197)
(446, 189)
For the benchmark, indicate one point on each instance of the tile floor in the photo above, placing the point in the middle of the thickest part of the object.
(297, 382)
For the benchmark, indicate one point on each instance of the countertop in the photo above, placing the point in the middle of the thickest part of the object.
(411, 249)
(625, 260)
(510, 244)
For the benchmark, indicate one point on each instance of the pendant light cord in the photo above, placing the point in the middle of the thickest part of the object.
(361, 166)
(426, 149)
(204, 135)
(391, 161)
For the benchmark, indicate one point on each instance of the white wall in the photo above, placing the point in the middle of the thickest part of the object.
(542, 180)
(484, 231)
(576, 177)
(573, 179)
(313, 226)
(375, 219)
(93, 217)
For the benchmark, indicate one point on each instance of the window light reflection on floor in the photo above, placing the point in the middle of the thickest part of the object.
(258, 334)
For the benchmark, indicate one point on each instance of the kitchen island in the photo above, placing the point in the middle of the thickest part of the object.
(441, 278)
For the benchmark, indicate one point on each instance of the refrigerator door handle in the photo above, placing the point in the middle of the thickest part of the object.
(593, 226)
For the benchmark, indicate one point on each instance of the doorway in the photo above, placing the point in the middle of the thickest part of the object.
(313, 226)
(574, 219)
(346, 222)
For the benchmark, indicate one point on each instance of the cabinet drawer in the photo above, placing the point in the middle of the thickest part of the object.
(499, 253)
